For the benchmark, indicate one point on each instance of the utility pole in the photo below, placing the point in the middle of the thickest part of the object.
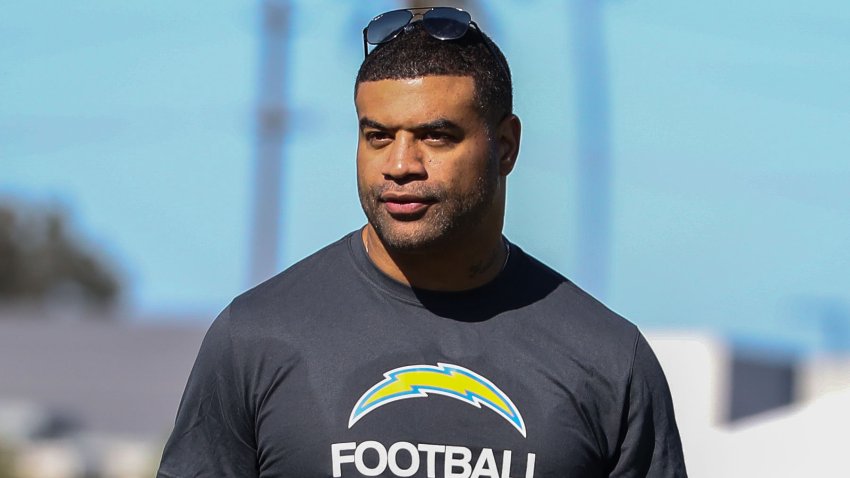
(594, 178)
(270, 126)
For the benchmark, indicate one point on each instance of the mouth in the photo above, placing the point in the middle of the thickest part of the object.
(405, 206)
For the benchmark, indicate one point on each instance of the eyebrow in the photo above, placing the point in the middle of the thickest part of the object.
(366, 122)
(437, 124)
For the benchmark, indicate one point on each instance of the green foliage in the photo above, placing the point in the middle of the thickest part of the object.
(6, 462)
(40, 261)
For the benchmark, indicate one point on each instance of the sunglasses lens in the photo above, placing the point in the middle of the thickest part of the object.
(386, 26)
(446, 23)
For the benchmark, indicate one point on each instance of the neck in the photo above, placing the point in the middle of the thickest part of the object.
(449, 268)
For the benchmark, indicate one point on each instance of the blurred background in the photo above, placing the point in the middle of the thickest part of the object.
(689, 164)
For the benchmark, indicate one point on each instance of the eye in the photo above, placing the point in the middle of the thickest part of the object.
(377, 139)
(437, 138)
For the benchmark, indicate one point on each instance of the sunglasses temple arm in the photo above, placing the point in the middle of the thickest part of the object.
(365, 46)
(496, 57)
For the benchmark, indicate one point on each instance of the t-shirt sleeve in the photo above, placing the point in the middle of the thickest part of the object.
(213, 433)
(650, 445)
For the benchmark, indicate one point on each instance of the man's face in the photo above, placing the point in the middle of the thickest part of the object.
(427, 171)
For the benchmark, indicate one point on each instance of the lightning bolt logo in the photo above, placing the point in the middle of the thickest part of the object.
(417, 381)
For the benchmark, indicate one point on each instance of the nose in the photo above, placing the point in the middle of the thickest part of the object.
(404, 160)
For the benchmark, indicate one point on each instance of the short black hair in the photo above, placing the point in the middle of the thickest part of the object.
(415, 53)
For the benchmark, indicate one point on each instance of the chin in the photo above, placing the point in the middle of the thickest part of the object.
(408, 240)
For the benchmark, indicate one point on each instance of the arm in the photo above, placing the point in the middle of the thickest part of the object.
(214, 431)
(650, 444)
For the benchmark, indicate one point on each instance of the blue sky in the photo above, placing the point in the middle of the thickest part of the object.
(730, 141)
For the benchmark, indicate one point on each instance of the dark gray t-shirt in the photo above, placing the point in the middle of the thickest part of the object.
(333, 369)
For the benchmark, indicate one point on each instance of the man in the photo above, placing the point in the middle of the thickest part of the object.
(425, 344)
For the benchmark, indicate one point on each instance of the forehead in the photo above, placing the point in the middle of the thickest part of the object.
(416, 99)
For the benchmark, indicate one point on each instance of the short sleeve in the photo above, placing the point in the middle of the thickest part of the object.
(213, 433)
(650, 445)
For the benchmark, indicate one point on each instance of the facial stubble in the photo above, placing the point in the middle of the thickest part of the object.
(447, 218)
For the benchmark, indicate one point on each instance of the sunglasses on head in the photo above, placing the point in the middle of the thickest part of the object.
(442, 23)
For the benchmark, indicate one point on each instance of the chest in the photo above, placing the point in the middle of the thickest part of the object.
(459, 402)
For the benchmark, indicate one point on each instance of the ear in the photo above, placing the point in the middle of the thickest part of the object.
(508, 136)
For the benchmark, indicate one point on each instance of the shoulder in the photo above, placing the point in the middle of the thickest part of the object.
(294, 293)
(564, 300)
(563, 310)
(326, 264)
